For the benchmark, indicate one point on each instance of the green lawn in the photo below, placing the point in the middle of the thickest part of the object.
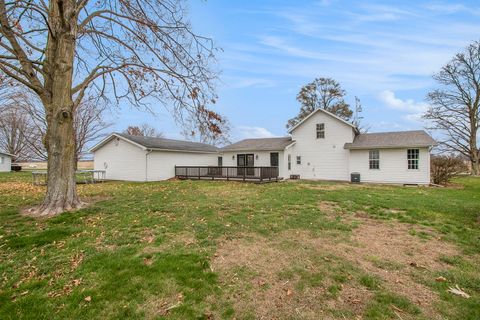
(225, 250)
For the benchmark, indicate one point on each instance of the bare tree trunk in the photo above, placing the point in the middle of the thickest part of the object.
(59, 139)
(475, 165)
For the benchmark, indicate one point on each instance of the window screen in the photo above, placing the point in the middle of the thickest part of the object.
(320, 130)
(412, 157)
(374, 159)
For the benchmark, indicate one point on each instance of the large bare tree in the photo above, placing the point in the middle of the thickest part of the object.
(133, 50)
(322, 93)
(454, 105)
(88, 121)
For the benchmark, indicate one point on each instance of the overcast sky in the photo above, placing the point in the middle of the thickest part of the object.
(384, 52)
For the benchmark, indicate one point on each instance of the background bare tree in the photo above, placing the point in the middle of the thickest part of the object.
(144, 130)
(322, 93)
(454, 106)
(16, 131)
(141, 49)
(195, 130)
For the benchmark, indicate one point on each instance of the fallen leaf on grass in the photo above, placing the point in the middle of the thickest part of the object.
(440, 279)
(147, 261)
(459, 292)
(88, 299)
(416, 265)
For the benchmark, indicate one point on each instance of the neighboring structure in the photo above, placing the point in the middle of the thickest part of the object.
(5, 162)
(136, 158)
(322, 146)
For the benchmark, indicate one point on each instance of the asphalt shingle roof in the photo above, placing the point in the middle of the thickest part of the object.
(169, 144)
(418, 138)
(263, 144)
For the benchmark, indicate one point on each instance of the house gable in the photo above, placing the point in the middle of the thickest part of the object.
(322, 157)
(307, 118)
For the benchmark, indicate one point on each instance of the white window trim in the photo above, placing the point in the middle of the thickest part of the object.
(298, 160)
(372, 159)
(417, 159)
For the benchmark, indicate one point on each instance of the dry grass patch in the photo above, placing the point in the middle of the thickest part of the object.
(250, 267)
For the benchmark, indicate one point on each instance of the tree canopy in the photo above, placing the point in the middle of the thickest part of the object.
(322, 93)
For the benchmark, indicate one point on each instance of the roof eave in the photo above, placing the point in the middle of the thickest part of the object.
(107, 139)
(388, 147)
(178, 150)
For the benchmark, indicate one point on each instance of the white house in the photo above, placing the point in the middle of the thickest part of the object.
(5, 162)
(322, 146)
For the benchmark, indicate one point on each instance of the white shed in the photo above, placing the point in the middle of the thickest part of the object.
(5, 162)
(137, 158)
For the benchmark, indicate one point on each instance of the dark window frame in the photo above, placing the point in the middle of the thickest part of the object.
(289, 162)
(320, 130)
(274, 158)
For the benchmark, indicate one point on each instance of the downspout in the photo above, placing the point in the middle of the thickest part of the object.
(146, 163)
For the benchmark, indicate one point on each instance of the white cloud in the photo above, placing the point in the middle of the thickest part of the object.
(411, 106)
(246, 132)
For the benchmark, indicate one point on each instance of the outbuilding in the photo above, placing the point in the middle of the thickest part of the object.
(138, 158)
(5, 162)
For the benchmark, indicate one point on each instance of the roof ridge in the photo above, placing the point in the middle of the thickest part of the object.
(162, 138)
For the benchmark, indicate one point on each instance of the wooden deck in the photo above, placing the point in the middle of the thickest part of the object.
(247, 174)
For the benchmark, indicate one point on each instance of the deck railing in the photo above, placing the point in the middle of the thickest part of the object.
(257, 174)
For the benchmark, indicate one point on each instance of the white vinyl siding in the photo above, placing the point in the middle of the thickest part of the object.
(5, 163)
(161, 164)
(323, 159)
(121, 160)
(393, 167)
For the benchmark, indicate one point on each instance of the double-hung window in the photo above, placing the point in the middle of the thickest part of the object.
(412, 158)
(374, 159)
(299, 160)
(320, 130)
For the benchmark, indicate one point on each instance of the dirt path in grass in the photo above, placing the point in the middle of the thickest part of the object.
(297, 275)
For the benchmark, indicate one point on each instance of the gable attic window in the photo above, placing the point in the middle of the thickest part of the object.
(374, 159)
(320, 130)
(412, 157)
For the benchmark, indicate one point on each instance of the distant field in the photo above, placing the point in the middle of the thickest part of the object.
(82, 165)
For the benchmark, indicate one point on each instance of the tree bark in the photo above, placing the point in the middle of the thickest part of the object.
(475, 164)
(59, 108)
